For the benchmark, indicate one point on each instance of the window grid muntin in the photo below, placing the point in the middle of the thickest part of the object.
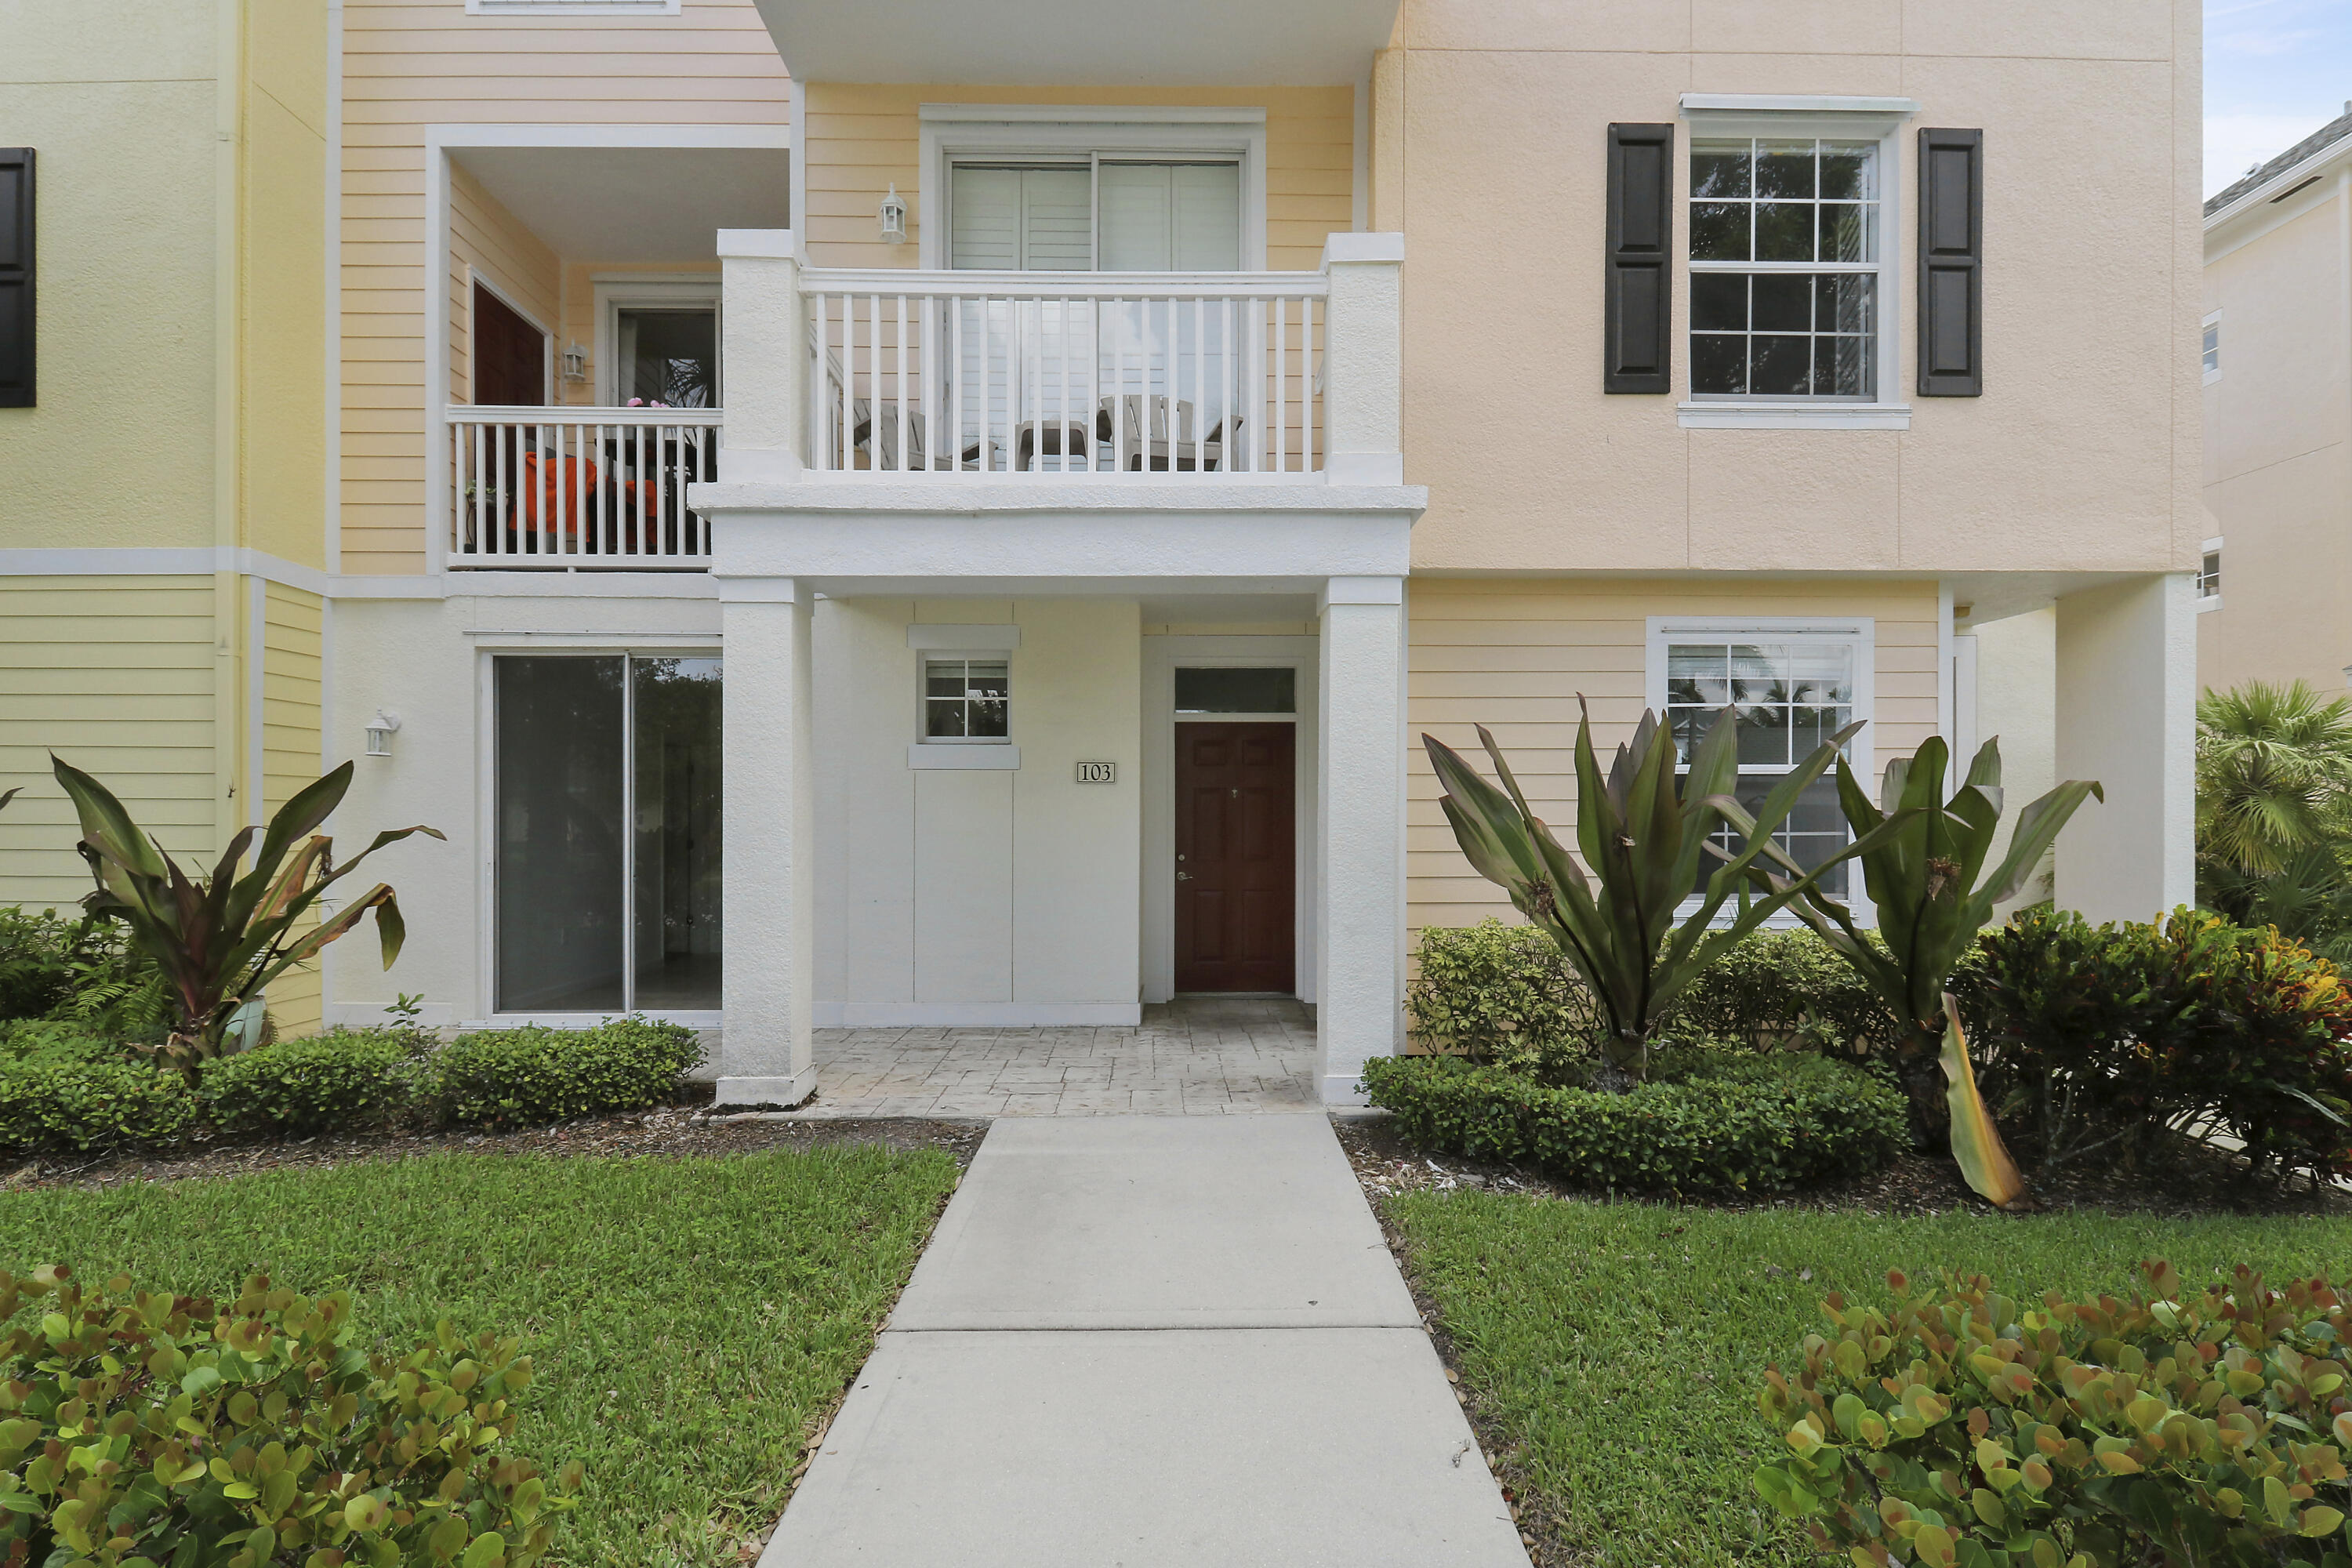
(2208, 574)
(967, 699)
(1860, 343)
(1816, 828)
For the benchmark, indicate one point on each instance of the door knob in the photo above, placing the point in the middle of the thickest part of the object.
(1183, 876)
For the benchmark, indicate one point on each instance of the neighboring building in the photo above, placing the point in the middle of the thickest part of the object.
(162, 422)
(1080, 448)
(2276, 359)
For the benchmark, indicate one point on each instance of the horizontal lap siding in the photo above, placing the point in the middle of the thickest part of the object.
(412, 63)
(1513, 654)
(491, 241)
(291, 687)
(862, 138)
(116, 675)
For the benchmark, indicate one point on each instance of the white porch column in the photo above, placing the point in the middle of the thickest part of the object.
(1359, 786)
(1363, 359)
(768, 885)
(2127, 718)
(767, 342)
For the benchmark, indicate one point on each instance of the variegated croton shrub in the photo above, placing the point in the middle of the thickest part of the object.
(1959, 1428)
(144, 1430)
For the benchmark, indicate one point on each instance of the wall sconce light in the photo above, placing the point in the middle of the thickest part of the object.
(380, 731)
(894, 218)
(575, 364)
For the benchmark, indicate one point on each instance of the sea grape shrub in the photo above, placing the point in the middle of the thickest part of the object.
(1961, 1428)
(144, 1428)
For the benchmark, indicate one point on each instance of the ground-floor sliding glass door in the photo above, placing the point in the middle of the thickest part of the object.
(607, 857)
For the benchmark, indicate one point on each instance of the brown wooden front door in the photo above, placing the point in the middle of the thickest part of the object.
(1236, 889)
(510, 355)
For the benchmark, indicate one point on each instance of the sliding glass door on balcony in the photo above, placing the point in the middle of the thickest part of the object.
(608, 833)
(1047, 377)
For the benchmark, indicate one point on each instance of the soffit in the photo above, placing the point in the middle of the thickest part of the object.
(635, 205)
(1173, 43)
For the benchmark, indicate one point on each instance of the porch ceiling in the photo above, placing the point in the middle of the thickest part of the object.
(1205, 43)
(635, 204)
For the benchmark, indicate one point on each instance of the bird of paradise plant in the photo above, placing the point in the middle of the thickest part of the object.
(221, 940)
(1615, 909)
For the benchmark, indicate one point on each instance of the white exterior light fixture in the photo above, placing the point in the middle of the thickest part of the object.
(894, 218)
(380, 731)
(575, 364)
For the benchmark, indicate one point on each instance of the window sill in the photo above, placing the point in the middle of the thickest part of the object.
(1794, 416)
(2209, 602)
(1002, 758)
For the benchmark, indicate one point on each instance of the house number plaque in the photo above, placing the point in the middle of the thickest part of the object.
(1096, 772)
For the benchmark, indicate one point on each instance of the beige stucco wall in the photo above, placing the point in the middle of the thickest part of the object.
(1489, 154)
(1514, 654)
(2278, 469)
(862, 137)
(408, 64)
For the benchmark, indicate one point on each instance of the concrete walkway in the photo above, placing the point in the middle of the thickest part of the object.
(1146, 1343)
(1196, 1055)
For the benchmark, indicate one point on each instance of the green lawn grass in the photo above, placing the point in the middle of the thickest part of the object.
(1619, 1346)
(689, 1319)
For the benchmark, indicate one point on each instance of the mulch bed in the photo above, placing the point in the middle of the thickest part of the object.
(2183, 1180)
(673, 1130)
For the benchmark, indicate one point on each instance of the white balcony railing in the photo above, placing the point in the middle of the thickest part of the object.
(1029, 373)
(601, 488)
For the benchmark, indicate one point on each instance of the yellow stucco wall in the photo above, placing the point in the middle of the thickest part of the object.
(1514, 654)
(182, 340)
(117, 98)
(861, 138)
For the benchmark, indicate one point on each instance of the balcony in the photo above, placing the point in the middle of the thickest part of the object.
(1023, 433)
(576, 488)
(1132, 375)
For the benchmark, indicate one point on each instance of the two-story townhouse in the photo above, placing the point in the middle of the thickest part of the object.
(2275, 358)
(968, 531)
(165, 191)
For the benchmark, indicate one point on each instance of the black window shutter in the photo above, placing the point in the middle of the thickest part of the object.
(1951, 263)
(16, 277)
(1640, 282)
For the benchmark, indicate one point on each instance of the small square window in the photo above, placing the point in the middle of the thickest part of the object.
(2209, 572)
(2212, 346)
(966, 701)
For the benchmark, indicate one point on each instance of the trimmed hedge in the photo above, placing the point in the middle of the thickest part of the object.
(346, 1080)
(1724, 1124)
(54, 1100)
(511, 1078)
(80, 1106)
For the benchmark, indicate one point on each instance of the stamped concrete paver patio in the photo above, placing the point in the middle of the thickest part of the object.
(1196, 1055)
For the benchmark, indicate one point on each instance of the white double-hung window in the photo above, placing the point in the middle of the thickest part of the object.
(1791, 236)
(1791, 684)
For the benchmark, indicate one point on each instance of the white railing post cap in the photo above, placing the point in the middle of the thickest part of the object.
(1346, 245)
(764, 244)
